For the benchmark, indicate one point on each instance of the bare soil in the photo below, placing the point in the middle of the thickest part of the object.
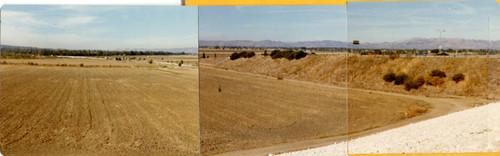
(60, 110)
(254, 111)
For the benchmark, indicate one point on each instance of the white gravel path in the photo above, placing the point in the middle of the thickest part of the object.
(472, 130)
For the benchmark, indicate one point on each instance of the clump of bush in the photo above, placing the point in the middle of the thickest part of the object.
(119, 58)
(436, 77)
(400, 78)
(414, 83)
(434, 81)
(81, 65)
(243, 54)
(180, 63)
(437, 73)
(288, 54)
(458, 77)
(150, 61)
(33, 64)
(389, 77)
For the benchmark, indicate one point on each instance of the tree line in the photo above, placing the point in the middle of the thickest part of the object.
(66, 52)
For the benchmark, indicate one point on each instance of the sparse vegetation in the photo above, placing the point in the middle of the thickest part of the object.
(150, 61)
(81, 65)
(458, 77)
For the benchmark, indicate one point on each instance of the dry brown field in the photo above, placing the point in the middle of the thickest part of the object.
(266, 103)
(58, 110)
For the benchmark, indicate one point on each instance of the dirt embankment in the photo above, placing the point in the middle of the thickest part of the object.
(366, 72)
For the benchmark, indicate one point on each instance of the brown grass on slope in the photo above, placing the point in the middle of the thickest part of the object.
(366, 72)
(320, 69)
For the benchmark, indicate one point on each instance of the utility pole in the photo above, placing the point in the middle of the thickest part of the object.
(440, 39)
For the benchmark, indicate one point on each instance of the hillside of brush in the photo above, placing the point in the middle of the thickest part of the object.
(366, 72)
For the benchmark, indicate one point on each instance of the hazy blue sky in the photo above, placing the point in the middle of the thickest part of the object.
(100, 27)
(392, 21)
(279, 23)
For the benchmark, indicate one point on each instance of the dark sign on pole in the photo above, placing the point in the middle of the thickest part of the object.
(355, 42)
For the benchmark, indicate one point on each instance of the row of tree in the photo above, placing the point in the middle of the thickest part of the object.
(66, 52)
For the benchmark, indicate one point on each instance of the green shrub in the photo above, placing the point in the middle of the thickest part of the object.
(458, 77)
(81, 64)
(276, 54)
(437, 73)
(400, 78)
(389, 77)
(299, 54)
(150, 61)
(247, 54)
(234, 56)
(243, 54)
(288, 54)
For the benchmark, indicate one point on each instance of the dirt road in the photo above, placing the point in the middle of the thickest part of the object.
(63, 110)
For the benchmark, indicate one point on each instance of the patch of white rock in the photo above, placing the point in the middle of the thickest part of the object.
(472, 130)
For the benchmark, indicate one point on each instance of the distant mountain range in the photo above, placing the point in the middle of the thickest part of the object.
(269, 43)
(414, 43)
